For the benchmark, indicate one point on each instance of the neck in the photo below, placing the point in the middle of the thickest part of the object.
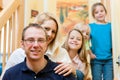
(101, 22)
(72, 53)
(36, 65)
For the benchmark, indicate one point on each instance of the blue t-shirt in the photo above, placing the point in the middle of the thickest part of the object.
(101, 40)
(22, 72)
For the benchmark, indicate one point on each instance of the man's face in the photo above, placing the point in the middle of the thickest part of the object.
(34, 43)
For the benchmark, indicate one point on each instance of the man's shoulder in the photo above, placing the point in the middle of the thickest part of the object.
(15, 68)
(51, 65)
(13, 72)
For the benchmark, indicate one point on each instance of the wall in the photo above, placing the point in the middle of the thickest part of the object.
(1, 5)
(115, 18)
(32, 5)
(40, 5)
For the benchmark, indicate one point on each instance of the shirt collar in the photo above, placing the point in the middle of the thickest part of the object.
(49, 67)
(76, 59)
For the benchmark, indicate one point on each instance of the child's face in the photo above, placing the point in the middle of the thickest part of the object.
(75, 40)
(86, 31)
(99, 14)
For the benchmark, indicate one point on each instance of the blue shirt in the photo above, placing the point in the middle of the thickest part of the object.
(22, 72)
(101, 40)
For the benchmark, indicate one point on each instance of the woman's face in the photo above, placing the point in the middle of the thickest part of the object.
(75, 40)
(51, 29)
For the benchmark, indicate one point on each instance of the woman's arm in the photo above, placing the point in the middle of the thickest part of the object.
(65, 69)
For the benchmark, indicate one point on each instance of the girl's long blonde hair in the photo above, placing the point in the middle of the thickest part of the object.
(81, 52)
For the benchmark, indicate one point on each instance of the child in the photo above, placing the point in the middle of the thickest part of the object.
(74, 45)
(101, 41)
(86, 33)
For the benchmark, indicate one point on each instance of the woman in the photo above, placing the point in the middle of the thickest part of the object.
(50, 24)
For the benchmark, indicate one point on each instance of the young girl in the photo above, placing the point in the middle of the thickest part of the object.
(75, 47)
(102, 64)
(86, 33)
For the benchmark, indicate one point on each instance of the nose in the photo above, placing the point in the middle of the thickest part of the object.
(36, 43)
(74, 40)
(49, 33)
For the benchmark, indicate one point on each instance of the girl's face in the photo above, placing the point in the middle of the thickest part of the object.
(99, 14)
(75, 40)
(51, 29)
(85, 31)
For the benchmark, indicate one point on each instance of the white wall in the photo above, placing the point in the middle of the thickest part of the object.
(115, 19)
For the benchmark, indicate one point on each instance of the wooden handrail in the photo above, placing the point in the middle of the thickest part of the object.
(0, 8)
(0, 5)
(8, 11)
(11, 25)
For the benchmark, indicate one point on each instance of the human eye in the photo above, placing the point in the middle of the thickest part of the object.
(96, 12)
(102, 10)
(54, 31)
(78, 39)
(47, 29)
(87, 33)
(41, 40)
(71, 37)
(30, 40)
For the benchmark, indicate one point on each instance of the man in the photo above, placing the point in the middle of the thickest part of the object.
(36, 65)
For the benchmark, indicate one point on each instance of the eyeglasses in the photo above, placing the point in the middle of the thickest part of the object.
(32, 41)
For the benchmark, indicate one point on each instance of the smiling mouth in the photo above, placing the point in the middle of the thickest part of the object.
(73, 43)
(36, 51)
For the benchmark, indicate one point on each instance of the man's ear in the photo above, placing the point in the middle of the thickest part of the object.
(22, 44)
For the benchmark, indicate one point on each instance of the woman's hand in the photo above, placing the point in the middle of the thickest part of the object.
(65, 69)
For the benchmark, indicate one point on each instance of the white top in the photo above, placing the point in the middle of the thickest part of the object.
(78, 64)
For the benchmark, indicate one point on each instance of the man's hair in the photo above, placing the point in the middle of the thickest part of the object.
(35, 25)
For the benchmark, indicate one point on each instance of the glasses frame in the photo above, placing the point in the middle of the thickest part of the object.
(33, 41)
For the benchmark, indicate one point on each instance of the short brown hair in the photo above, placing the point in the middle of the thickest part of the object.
(32, 25)
(94, 7)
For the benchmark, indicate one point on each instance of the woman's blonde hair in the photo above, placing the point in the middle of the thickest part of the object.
(40, 19)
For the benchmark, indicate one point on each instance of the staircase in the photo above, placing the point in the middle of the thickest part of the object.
(0, 9)
(11, 25)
